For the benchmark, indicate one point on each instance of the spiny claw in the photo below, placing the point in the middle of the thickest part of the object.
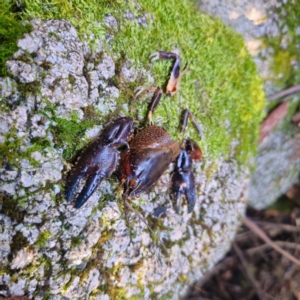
(99, 160)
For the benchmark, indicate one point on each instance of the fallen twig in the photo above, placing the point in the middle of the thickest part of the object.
(282, 244)
(285, 93)
(284, 227)
(253, 227)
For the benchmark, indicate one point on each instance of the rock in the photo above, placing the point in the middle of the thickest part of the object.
(106, 69)
(30, 43)
(17, 288)
(7, 87)
(25, 72)
(111, 22)
(277, 170)
(73, 291)
(22, 259)
(77, 88)
(9, 188)
(129, 72)
(277, 160)
(6, 234)
(93, 280)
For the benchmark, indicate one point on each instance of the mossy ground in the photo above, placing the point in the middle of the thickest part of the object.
(221, 88)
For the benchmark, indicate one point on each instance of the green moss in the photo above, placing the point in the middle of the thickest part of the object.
(69, 133)
(72, 79)
(76, 241)
(46, 65)
(11, 151)
(183, 278)
(166, 296)
(11, 29)
(19, 241)
(133, 268)
(11, 208)
(53, 34)
(43, 238)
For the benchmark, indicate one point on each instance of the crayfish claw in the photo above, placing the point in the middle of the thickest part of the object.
(183, 179)
(99, 160)
(184, 184)
(91, 184)
(73, 181)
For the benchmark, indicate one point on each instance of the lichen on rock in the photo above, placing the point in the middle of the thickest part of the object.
(58, 91)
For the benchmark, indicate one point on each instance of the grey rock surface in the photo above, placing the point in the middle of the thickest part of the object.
(72, 253)
(278, 164)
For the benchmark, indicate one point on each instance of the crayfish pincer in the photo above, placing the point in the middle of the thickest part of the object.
(183, 179)
(99, 160)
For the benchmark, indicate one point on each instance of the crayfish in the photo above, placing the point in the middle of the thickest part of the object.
(146, 157)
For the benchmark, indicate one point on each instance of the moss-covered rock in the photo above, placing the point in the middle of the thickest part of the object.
(69, 77)
(271, 33)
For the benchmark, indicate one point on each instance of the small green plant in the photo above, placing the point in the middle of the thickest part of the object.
(76, 241)
(43, 238)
